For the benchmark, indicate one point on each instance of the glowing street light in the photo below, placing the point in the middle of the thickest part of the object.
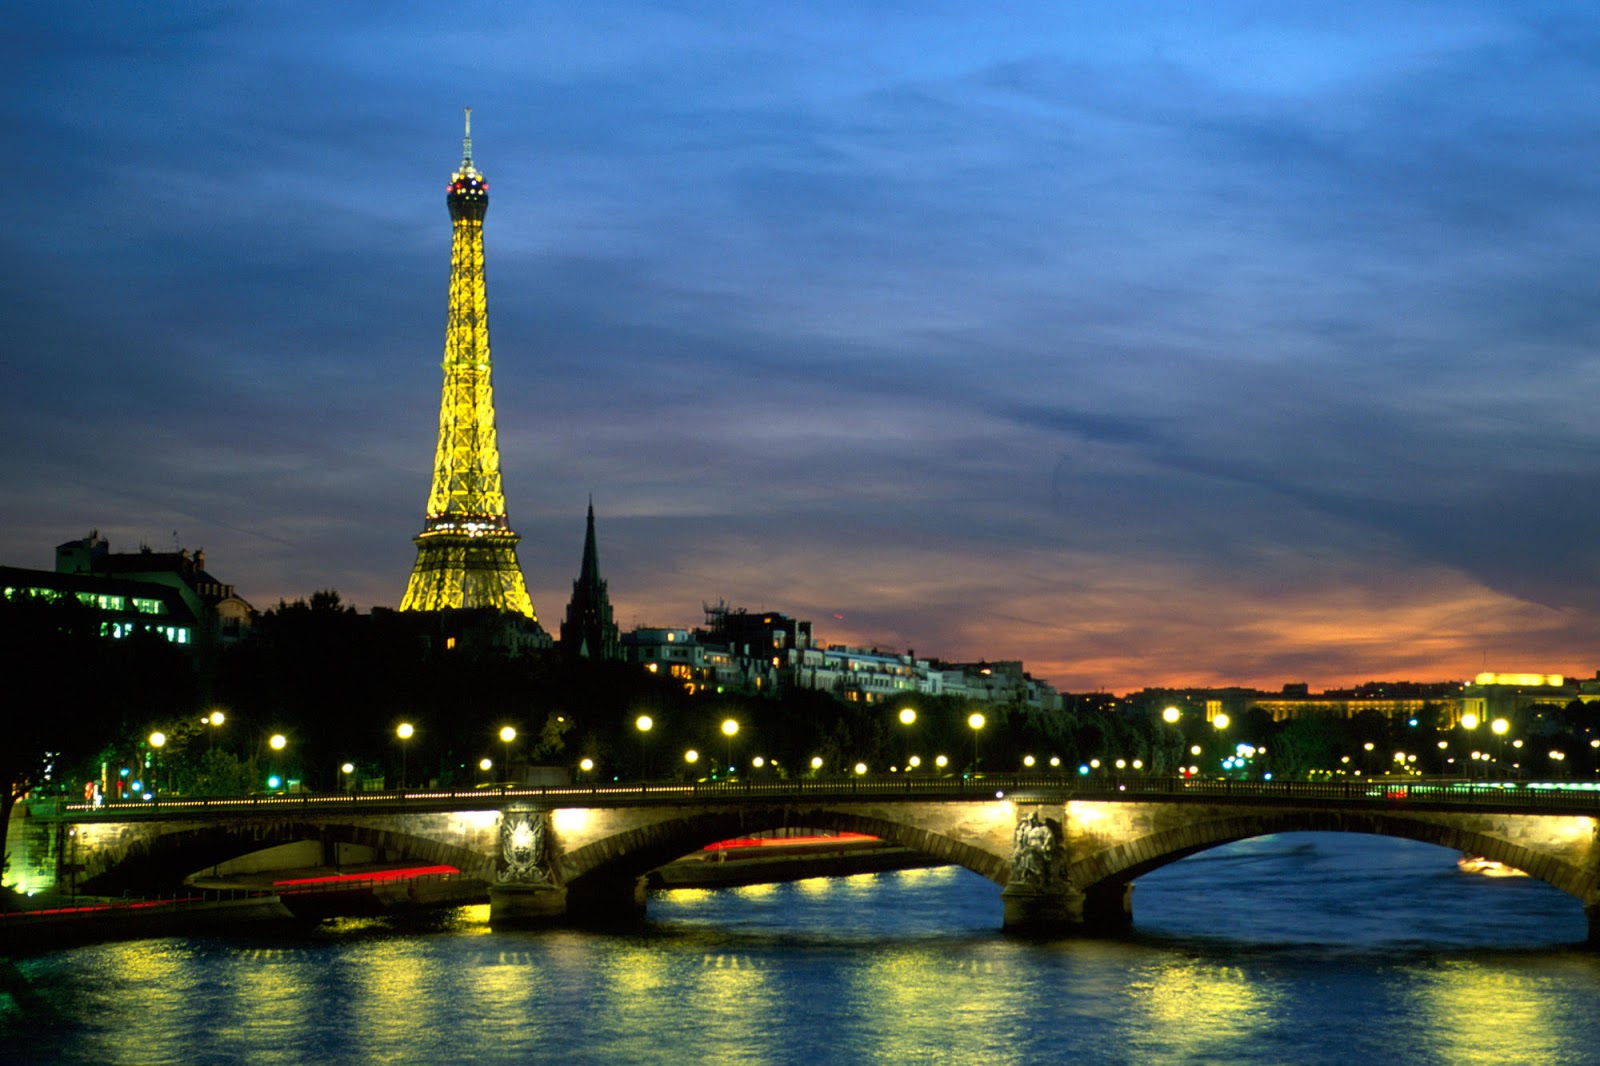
(908, 718)
(586, 765)
(278, 742)
(730, 729)
(347, 769)
(976, 722)
(158, 740)
(860, 768)
(1171, 715)
(507, 735)
(404, 731)
(644, 723)
(816, 763)
(214, 720)
(1221, 720)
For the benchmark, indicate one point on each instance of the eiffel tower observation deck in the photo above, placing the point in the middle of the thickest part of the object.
(466, 552)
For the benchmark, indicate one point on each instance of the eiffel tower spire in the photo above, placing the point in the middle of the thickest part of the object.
(466, 552)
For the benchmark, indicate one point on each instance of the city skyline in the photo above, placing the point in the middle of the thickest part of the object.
(1148, 348)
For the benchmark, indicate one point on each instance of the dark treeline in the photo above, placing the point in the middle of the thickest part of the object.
(336, 685)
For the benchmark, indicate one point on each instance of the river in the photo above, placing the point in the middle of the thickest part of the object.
(1303, 948)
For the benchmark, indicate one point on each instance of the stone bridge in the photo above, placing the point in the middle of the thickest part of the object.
(1065, 853)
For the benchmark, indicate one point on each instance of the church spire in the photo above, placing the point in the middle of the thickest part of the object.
(589, 630)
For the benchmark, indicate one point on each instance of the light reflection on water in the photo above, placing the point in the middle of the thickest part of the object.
(1307, 948)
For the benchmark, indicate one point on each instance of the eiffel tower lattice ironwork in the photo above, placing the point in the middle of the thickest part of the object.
(466, 552)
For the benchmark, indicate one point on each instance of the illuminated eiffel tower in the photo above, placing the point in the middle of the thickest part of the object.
(466, 552)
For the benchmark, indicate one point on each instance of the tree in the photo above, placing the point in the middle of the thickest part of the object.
(64, 701)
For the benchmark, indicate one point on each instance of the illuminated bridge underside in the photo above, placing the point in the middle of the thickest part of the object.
(598, 849)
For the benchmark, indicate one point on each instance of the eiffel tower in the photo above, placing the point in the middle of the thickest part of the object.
(466, 552)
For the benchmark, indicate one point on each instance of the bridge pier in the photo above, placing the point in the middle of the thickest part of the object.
(517, 904)
(1056, 911)
(1036, 911)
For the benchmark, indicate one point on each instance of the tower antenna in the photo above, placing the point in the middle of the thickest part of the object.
(466, 142)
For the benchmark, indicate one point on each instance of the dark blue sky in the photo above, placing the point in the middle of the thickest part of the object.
(1145, 345)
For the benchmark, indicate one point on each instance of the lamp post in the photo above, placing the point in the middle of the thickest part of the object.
(691, 757)
(404, 731)
(644, 723)
(507, 735)
(1499, 727)
(277, 742)
(158, 740)
(1470, 721)
(347, 769)
(586, 765)
(908, 718)
(214, 720)
(486, 764)
(1172, 715)
(730, 729)
(976, 722)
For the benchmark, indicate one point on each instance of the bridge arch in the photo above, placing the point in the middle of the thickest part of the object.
(167, 852)
(632, 852)
(1109, 870)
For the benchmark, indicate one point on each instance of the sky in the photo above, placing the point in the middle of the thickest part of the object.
(1150, 344)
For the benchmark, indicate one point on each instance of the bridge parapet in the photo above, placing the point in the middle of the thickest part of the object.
(1065, 851)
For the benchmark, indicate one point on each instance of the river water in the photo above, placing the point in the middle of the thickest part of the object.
(1303, 948)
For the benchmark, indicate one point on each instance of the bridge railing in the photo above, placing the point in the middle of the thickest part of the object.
(1362, 791)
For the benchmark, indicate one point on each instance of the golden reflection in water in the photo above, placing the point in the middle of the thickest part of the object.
(689, 895)
(1472, 1014)
(930, 1006)
(756, 891)
(1202, 1009)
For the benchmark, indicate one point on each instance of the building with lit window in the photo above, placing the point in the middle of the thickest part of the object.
(220, 616)
(123, 607)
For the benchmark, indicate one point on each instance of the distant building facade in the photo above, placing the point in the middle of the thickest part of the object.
(769, 652)
(123, 607)
(221, 616)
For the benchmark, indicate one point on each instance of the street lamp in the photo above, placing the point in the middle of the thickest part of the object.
(729, 729)
(976, 721)
(816, 763)
(404, 731)
(586, 765)
(158, 740)
(908, 718)
(1499, 727)
(691, 757)
(347, 769)
(507, 735)
(1171, 715)
(214, 720)
(277, 742)
(644, 723)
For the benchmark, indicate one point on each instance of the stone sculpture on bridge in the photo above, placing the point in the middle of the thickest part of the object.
(1036, 851)
(522, 847)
